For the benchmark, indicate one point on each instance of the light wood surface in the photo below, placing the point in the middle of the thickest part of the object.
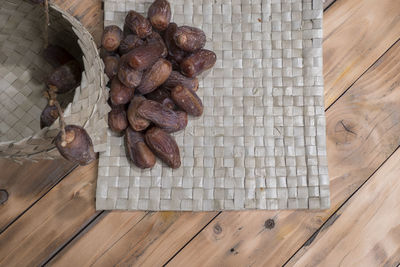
(366, 230)
(62, 228)
(356, 34)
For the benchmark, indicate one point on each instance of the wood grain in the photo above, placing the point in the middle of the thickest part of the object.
(133, 238)
(366, 231)
(52, 221)
(362, 132)
(88, 12)
(356, 34)
(25, 184)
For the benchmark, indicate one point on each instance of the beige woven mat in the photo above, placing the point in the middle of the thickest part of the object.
(261, 142)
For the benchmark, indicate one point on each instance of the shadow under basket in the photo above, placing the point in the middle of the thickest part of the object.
(23, 71)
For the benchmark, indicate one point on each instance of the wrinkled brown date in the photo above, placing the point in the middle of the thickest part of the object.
(175, 54)
(66, 77)
(119, 93)
(111, 64)
(156, 38)
(78, 146)
(198, 62)
(164, 146)
(138, 24)
(144, 56)
(189, 39)
(49, 115)
(159, 14)
(176, 78)
(129, 43)
(161, 116)
(162, 96)
(128, 76)
(168, 103)
(155, 76)
(137, 122)
(117, 120)
(187, 100)
(56, 55)
(112, 37)
(183, 121)
(137, 149)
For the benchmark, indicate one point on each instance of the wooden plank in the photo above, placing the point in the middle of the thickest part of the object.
(24, 185)
(356, 34)
(362, 131)
(88, 12)
(366, 230)
(133, 238)
(52, 221)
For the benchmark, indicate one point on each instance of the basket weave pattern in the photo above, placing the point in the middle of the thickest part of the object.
(261, 142)
(23, 71)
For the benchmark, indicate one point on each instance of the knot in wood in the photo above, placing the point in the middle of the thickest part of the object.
(269, 224)
(217, 229)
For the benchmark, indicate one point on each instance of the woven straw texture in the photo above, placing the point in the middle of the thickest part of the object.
(261, 143)
(23, 71)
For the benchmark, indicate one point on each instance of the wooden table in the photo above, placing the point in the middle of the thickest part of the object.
(47, 215)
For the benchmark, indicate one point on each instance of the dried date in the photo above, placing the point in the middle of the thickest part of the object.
(137, 149)
(137, 122)
(128, 76)
(187, 100)
(111, 64)
(112, 37)
(119, 93)
(176, 78)
(144, 56)
(161, 116)
(175, 54)
(155, 76)
(77, 146)
(189, 39)
(66, 77)
(138, 24)
(117, 120)
(49, 115)
(164, 146)
(198, 62)
(129, 43)
(160, 14)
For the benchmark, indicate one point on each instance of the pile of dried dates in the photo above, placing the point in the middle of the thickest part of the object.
(152, 65)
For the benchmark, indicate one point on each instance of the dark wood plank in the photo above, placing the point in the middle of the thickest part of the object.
(366, 230)
(52, 221)
(362, 129)
(25, 184)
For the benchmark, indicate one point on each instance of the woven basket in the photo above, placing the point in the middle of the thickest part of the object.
(23, 71)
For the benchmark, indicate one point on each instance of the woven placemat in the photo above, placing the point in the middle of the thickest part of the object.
(261, 143)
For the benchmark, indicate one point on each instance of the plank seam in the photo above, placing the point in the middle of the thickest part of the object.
(37, 200)
(55, 253)
(371, 66)
(168, 261)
